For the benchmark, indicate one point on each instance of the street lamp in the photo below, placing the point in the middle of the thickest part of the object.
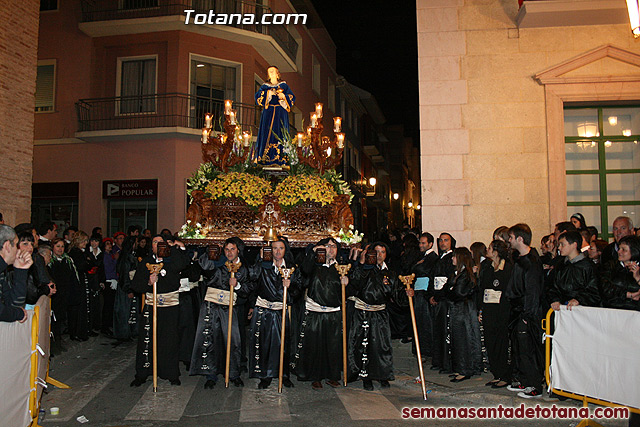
(372, 181)
(634, 17)
(410, 204)
(396, 196)
(418, 207)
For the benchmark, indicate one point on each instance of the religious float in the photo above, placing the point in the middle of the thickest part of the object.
(275, 185)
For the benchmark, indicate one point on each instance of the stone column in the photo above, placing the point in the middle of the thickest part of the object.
(443, 139)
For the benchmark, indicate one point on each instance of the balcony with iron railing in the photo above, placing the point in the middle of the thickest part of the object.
(172, 110)
(110, 17)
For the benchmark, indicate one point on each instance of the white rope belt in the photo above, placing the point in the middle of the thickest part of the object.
(169, 299)
(311, 305)
(361, 305)
(219, 296)
(261, 302)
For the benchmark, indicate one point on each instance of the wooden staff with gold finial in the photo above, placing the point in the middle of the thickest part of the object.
(408, 280)
(155, 269)
(233, 269)
(286, 275)
(342, 271)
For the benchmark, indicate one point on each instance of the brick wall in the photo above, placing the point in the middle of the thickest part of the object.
(18, 60)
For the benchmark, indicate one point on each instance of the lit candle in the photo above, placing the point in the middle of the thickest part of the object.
(223, 138)
(319, 109)
(309, 131)
(227, 106)
(340, 143)
(329, 152)
(207, 120)
(300, 139)
(205, 135)
(337, 124)
(314, 120)
(232, 117)
(246, 138)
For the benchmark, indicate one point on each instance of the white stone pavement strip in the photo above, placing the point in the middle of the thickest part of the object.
(167, 404)
(264, 405)
(367, 405)
(87, 384)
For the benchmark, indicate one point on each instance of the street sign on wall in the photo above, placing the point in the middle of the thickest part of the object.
(132, 189)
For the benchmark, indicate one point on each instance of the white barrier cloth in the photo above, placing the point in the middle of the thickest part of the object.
(15, 369)
(595, 352)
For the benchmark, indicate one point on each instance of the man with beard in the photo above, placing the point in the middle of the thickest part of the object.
(168, 313)
(525, 294)
(266, 323)
(319, 352)
(209, 350)
(442, 271)
(423, 270)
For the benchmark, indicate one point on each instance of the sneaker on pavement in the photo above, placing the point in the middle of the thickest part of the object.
(515, 387)
(529, 393)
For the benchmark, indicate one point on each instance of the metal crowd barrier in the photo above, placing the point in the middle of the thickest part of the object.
(24, 365)
(599, 398)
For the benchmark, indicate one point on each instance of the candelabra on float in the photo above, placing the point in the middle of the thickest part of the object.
(229, 148)
(320, 152)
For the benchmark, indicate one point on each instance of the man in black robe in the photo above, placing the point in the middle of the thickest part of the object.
(574, 282)
(525, 295)
(423, 270)
(189, 305)
(210, 348)
(440, 306)
(266, 322)
(319, 352)
(369, 354)
(168, 312)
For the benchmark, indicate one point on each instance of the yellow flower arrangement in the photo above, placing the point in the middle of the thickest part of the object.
(297, 188)
(250, 188)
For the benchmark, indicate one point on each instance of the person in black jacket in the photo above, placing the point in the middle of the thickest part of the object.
(69, 303)
(622, 227)
(95, 276)
(35, 287)
(12, 290)
(460, 291)
(494, 311)
(125, 308)
(574, 281)
(440, 305)
(525, 295)
(82, 260)
(619, 280)
(423, 270)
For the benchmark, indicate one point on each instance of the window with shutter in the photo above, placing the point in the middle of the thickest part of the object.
(45, 86)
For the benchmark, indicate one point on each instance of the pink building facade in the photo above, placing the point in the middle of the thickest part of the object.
(122, 92)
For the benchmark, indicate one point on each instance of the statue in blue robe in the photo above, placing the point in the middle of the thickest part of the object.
(276, 99)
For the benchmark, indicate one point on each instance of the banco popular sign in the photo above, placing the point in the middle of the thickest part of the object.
(135, 189)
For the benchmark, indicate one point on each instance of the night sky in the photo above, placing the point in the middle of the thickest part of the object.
(377, 51)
